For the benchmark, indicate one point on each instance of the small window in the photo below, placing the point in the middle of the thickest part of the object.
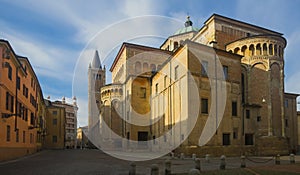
(153, 68)
(156, 88)
(24, 136)
(18, 83)
(54, 112)
(249, 139)
(176, 73)
(54, 139)
(8, 133)
(143, 92)
(31, 138)
(138, 67)
(25, 91)
(270, 49)
(226, 139)
(17, 135)
(258, 119)
(175, 45)
(204, 106)
(9, 103)
(55, 121)
(234, 108)
(204, 68)
(9, 72)
(247, 113)
(286, 121)
(235, 133)
(225, 71)
(286, 103)
(32, 118)
(165, 81)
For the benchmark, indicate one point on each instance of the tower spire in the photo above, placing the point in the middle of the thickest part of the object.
(96, 63)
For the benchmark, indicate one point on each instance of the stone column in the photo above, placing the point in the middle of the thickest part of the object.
(277, 159)
(292, 159)
(198, 164)
(243, 162)
(223, 162)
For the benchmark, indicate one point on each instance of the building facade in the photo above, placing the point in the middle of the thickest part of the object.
(21, 107)
(56, 126)
(70, 121)
(214, 90)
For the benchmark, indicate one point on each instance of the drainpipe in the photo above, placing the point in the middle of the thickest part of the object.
(16, 101)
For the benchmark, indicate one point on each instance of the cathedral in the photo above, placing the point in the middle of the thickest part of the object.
(218, 89)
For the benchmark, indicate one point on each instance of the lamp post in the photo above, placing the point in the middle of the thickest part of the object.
(16, 116)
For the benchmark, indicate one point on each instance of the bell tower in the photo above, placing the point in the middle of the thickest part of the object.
(96, 80)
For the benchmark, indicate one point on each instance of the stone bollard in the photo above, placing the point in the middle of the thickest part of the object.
(194, 172)
(172, 155)
(207, 158)
(198, 164)
(223, 162)
(243, 162)
(182, 156)
(277, 159)
(292, 159)
(132, 169)
(168, 167)
(194, 156)
(154, 169)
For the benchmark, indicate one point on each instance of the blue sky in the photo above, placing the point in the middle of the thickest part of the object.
(54, 35)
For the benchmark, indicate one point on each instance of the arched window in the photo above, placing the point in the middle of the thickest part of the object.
(175, 44)
(145, 67)
(158, 67)
(271, 49)
(153, 67)
(137, 67)
(251, 50)
(258, 49)
(265, 50)
(279, 51)
(275, 50)
(236, 50)
(244, 48)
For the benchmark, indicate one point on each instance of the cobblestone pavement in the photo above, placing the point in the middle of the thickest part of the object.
(95, 162)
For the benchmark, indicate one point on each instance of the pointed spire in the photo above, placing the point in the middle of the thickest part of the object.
(96, 63)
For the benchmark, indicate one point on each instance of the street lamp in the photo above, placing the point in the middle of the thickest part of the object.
(5, 115)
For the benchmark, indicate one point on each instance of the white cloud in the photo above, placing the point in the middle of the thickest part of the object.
(47, 60)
